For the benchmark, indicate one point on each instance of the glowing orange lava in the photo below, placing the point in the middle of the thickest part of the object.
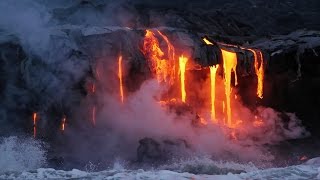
(207, 41)
(223, 106)
(34, 118)
(260, 74)
(229, 65)
(158, 65)
(182, 66)
(213, 72)
(120, 77)
(171, 56)
(259, 70)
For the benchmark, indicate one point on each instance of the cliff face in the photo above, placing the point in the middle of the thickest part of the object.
(83, 33)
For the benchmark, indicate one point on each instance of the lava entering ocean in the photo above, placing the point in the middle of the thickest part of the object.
(217, 105)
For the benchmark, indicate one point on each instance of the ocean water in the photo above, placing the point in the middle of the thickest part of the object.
(25, 159)
(304, 171)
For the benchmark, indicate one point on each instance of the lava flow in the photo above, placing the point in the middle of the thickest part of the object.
(213, 72)
(260, 75)
(182, 66)
(257, 54)
(120, 77)
(171, 56)
(229, 65)
(207, 41)
(158, 65)
(34, 118)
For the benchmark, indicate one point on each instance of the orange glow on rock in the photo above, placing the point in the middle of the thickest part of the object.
(160, 67)
(182, 66)
(171, 56)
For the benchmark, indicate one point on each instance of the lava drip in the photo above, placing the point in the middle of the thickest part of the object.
(213, 72)
(120, 78)
(182, 66)
(260, 75)
(229, 65)
(259, 70)
(63, 123)
(34, 118)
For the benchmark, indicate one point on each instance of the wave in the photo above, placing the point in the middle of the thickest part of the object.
(21, 154)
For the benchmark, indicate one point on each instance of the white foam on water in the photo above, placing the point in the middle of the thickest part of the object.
(21, 154)
(308, 170)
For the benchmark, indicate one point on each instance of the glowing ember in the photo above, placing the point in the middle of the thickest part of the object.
(257, 122)
(202, 121)
(259, 70)
(159, 66)
(229, 65)
(182, 66)
(63, 123)
(213, 72)
(120, 77)
(34, 118)
(303, 158)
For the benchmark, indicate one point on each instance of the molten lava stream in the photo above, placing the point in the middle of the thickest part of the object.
(213, 72)
(34, 118)
(120, 77)
(182, 65)
(229, 65)
(258, 70)
(260, 74)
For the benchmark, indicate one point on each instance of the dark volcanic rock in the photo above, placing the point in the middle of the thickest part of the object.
(149, 150)
(153, 151)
